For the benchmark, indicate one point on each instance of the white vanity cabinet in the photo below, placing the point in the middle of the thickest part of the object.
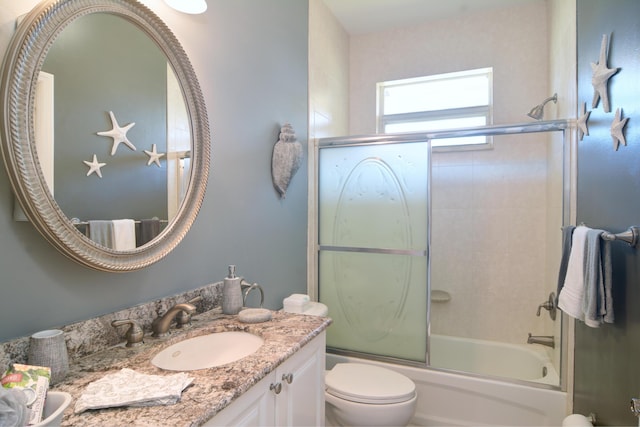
(292, 395)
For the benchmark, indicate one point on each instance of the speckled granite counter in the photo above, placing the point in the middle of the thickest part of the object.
(212, 389)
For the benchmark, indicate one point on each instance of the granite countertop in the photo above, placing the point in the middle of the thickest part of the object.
(212, 389)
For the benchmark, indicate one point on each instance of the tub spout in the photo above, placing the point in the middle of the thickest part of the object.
(541, 339)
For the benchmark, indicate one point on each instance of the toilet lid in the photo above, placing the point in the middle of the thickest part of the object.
(362, 383)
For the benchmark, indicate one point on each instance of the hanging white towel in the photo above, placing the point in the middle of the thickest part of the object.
(124, 234)
(567, 234)
(572, 293)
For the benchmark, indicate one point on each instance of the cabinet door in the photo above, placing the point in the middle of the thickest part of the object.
(255, 408)
(301, 401)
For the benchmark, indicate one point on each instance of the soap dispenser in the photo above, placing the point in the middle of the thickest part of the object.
(231, 293)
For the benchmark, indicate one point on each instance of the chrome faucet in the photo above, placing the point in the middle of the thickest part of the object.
(542, 339)
(184, 318)
(161, 324)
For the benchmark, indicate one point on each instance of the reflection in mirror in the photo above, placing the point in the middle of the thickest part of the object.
(102, 63)
(126, 117)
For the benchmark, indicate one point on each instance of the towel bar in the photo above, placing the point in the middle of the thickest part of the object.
(631, 236)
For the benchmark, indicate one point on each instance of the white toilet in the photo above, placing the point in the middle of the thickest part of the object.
(357, 394)
(365, 395)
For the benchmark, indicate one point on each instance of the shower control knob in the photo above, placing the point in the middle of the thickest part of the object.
(549, 305)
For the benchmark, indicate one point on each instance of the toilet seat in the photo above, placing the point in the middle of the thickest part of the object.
(369, 384)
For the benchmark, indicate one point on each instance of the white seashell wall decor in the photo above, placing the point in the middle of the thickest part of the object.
(286, 159)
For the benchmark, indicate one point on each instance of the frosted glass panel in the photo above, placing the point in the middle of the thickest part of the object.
(377, 303)
(374, 196)
(373, 223)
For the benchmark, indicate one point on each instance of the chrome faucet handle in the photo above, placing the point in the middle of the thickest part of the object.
(184, 318)
(550, 306)
(134, 334)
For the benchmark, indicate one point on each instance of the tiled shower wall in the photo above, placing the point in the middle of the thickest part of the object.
(489, 239)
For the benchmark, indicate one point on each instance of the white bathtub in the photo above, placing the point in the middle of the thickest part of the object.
(453, 399)
(528, 362)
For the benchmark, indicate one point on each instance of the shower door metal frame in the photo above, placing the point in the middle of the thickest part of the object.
(566, 126)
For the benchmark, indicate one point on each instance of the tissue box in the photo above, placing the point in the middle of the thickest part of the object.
(296, 303)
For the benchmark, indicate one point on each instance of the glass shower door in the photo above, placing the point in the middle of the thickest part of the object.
(373, 247)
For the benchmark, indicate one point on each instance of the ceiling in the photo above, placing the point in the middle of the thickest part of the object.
(366, 16)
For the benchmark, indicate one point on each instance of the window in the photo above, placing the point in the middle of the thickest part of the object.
(439, 102)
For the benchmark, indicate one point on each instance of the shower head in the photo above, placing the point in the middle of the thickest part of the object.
(538, 111)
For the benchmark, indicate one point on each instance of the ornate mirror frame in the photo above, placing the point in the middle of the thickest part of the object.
(24, 59)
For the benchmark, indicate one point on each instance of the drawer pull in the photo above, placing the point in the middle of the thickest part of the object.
(277, 387)
(288, 378)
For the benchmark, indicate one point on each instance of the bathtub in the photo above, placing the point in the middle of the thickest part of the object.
(527, 362)
(448, 398)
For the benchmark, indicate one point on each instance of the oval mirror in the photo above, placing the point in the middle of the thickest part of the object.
(104, 127)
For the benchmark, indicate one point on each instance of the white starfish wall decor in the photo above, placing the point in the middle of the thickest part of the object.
(583, 127)
(617, 129)
(119, 134)
(154, 156)
(600, 77)
(94, 166)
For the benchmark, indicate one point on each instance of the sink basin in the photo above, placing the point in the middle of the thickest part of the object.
(207, 351)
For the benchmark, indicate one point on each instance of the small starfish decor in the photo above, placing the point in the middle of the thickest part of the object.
(583, 128)
(154, 156)
(600, 77)
(617, 129)
(94, 166)
(119, 134)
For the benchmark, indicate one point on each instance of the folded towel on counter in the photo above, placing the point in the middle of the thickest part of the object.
(130, 388)
(148, 230)
(572, 292)
(567, 234)
(597, 304)
(101, 232)
(124, 234)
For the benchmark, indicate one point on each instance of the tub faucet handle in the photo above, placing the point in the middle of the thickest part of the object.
(549, 305)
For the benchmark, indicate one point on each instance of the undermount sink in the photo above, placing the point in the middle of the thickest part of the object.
(207, 351)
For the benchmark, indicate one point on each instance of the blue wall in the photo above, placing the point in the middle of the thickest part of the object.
(607, 373)
(251, 59)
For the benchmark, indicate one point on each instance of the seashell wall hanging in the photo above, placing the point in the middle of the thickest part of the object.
(286, 159)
